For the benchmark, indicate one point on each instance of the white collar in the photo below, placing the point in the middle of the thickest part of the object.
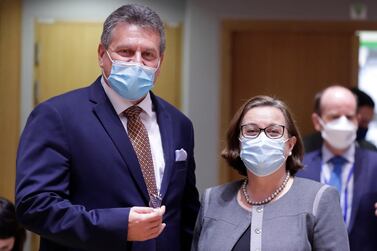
(348, 154)
(120, 104)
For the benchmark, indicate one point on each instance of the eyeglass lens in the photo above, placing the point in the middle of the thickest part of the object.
(253, 131)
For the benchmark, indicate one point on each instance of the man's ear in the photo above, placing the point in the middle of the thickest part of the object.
(100, 52)
(316, 122)
(159, 66)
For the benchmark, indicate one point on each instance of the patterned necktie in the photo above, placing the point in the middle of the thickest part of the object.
(140, 141)
(336, 174)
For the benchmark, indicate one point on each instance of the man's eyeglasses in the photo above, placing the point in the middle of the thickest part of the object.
(252, 131)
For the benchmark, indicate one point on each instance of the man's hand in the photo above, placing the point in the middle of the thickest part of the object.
(145, 223)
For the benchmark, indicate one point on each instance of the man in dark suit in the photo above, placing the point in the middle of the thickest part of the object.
(365, 113)
(342, 163)
(111, 166)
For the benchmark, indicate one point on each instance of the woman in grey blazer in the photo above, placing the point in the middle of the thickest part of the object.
(271, 209)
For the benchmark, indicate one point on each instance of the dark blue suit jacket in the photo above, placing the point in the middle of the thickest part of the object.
(78, 175)
(363, 224)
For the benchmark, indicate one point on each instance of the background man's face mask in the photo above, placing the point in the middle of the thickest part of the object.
(339, 133)
(130, 80)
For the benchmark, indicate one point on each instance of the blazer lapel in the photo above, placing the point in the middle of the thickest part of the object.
(165, 124)
(114, 128)
(358, 181)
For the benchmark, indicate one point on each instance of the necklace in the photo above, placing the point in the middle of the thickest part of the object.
(269, 198)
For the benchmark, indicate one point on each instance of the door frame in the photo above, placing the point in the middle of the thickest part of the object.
(230, 26)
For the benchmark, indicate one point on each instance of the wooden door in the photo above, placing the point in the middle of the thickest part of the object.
(288, 60)
(66, 59)
(10, 44)
(292, 66)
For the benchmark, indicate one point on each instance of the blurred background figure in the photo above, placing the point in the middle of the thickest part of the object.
(365, 112)
(12, 235)
(341, 162)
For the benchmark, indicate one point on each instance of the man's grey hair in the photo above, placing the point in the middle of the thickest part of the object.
(134, 14)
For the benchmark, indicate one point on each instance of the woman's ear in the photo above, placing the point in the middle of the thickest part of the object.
(291, 143)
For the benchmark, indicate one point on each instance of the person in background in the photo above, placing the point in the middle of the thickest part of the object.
(342, 163)
(111, 166)
(270, 209)
(365, 113)
(12, 235)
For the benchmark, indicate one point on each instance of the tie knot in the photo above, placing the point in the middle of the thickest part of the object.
(338, 161)
(133, 112)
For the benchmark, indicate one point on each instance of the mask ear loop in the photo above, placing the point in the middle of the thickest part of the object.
(321, 122)
(107, 52)
(103, 73)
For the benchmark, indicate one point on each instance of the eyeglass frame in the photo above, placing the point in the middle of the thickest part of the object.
(260, 130)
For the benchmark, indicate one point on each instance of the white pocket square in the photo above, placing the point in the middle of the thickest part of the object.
(180, 155)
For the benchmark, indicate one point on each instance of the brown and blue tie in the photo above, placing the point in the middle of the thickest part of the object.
(140, 142)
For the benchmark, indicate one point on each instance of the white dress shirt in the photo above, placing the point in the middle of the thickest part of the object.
(346, 194)
(149, 119)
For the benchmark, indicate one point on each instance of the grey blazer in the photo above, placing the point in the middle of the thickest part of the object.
(307, 217)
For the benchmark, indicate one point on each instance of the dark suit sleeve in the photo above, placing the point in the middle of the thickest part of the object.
(191, 204)
(43, 190)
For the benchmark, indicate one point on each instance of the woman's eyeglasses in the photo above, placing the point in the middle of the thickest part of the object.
(252, 131)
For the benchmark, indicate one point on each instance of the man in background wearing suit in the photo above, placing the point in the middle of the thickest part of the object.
(342, 163)
(111, 166)
(365, 111)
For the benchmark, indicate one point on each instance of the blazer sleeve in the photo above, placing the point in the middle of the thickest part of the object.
(42, 190)
(199, 220)
(330, 232)
(191, 204)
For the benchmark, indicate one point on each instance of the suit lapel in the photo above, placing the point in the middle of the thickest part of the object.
(114, 128)
(358, 181)
(164, 121)
(313, 168)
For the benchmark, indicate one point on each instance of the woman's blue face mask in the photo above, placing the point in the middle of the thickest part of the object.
(262, 156)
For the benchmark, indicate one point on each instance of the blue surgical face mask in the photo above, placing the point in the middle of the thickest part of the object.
(131, 80)
(262, 156)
